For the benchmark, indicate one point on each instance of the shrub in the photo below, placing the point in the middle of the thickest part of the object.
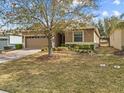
(70, 45)
(7, 47)
(18, 46)
(62, 45)
(1, 51)
(122, 48)
(84, 47)
(92, 47)
(44, 49)
(81, 47)
(60, 49)
(87, 47)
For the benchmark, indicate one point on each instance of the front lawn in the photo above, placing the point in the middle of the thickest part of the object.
(67, 73)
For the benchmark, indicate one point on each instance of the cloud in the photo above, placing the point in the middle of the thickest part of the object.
(116, 13)
(105, 13)
(76, 2)
(117, 2)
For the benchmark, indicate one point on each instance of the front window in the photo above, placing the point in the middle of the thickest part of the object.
(78, 36)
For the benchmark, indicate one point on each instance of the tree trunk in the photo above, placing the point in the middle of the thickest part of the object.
(109, 41)
(50, 47)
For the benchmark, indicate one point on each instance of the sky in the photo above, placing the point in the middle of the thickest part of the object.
(108, 8)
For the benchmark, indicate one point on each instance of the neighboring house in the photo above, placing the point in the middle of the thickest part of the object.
(3, 42)
(36, 39)
(15, 39)
(9, 41)
(83, 36)
(117, 39)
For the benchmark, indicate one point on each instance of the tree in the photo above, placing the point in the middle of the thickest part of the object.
(50, 14)
(122, 16)
(111, 24)
(106, 25)
(100, 26)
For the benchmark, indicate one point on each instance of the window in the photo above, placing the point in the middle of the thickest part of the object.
(78, 37)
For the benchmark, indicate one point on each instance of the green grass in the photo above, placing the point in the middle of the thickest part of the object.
(72, 73)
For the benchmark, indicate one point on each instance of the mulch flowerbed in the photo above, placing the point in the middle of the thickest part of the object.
(46, 57)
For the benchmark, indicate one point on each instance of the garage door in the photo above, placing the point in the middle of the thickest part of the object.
(36, 42)
(3, 43)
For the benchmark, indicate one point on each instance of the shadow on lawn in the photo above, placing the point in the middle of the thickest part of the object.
(119, 53)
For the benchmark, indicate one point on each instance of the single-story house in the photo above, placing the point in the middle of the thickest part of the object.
(9, 41)
(117, 39)
(83, 36)
(36, 39)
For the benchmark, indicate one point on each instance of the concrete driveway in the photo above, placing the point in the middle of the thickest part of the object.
(16, 54)
(3, 91)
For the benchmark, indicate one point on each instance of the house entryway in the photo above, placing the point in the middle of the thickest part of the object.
(60, 39)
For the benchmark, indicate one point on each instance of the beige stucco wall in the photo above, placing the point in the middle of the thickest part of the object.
(88, 37)
(96, 38)
(122, 36)
(116, 39)
(68, 36)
